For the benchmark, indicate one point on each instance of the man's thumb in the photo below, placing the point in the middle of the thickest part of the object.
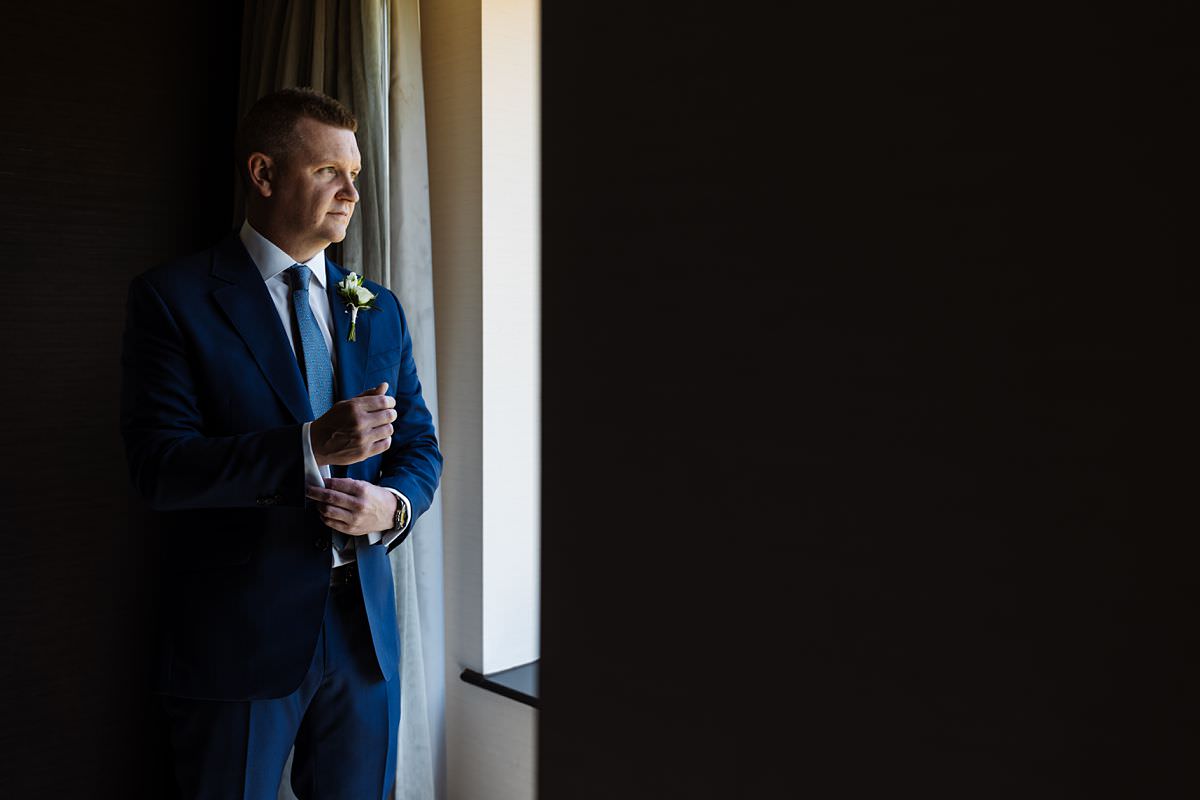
(380, 389)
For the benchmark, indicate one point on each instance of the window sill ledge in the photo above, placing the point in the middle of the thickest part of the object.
(519, 683)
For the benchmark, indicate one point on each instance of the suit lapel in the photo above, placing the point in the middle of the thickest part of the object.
(351, 357)
(248, 305)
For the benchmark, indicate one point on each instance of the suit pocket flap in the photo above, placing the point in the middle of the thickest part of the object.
(384, 359)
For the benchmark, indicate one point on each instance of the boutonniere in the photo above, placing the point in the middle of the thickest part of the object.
(357, 298)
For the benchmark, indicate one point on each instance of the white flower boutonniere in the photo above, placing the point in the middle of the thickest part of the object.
(357, 298)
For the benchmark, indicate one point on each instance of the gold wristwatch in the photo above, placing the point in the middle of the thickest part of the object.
(400, 518)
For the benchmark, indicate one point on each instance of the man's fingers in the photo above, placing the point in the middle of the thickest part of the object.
(335, 514)
(335, 499)
(375, 390)
(371, 404)
(341, 520)
(345, 485)
(382, 432)
(344, 527)
(377, 419)
(326, 495)
(365, 403)
(347, 491)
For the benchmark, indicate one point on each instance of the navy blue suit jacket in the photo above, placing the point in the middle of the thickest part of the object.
(211, 412)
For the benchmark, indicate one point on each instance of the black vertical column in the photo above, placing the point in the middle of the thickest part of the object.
(115, 154)
(864, 335)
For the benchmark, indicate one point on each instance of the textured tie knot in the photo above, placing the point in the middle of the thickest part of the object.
(299, 275)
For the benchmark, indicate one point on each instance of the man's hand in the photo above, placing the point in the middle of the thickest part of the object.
(354, 430)
(354, 507)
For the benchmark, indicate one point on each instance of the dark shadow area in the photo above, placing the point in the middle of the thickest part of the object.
(115, 154)
(864, 338)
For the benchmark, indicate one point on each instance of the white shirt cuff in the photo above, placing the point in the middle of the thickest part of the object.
(313, 474)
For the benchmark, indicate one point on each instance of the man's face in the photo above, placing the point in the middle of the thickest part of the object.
(313, 189)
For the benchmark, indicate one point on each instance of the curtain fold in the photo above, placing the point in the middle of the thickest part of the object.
(367, 54)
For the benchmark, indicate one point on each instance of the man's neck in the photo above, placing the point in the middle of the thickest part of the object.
(298, 251)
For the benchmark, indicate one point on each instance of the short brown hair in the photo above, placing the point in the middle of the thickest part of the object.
(270, 125)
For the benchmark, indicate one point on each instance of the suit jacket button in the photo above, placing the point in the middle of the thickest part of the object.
(320, 543)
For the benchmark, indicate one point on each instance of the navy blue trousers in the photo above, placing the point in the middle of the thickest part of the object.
(343, 721)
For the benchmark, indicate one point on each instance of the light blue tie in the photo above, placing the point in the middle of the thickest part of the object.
(318, 368)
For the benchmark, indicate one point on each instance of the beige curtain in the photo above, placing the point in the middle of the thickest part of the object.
(367, 54)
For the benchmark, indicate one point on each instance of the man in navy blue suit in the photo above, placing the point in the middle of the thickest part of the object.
(284, 460)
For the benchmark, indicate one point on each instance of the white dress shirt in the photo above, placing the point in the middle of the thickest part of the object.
(272, 263)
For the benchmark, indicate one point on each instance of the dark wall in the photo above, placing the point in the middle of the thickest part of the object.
(115, 154)
(864, 341)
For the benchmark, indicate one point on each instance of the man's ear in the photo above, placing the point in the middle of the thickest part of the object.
(261, 169)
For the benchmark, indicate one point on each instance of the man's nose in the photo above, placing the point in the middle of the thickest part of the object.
(348, 191)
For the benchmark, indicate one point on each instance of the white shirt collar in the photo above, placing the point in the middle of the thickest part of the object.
(272, 261)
